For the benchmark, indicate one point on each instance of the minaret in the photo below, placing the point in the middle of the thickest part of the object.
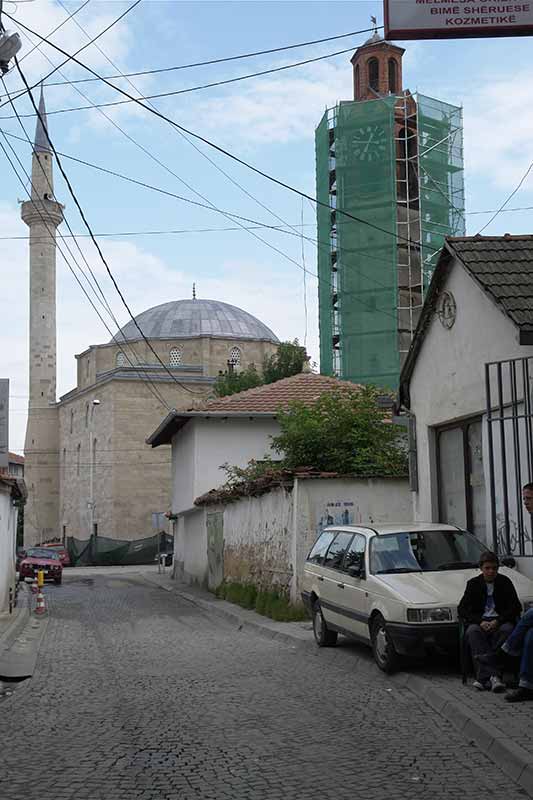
(42, 214)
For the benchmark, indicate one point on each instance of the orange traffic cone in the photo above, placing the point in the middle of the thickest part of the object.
(40, 608)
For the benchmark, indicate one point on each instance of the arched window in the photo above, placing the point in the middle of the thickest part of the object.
(357, 83)
(373, 74)
(71, 420)
(393, 76)
(78, 458)
(120, 359)
(174, 357)
(87, 415)
(235, 357)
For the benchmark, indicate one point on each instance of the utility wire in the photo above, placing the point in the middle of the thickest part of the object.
(63, 22)
(227, 153)
(175, 92)
(158, 397)
(68, 58)
(219, 60)
(502, 207)
(96, 244)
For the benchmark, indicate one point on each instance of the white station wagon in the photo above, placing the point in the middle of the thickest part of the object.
(395, 587)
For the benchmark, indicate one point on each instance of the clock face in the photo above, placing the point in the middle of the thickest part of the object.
(370, 143)
(446, 309)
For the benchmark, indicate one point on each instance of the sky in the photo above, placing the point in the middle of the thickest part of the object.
(268, 121)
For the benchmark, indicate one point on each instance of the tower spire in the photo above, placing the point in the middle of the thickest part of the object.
(42, 143)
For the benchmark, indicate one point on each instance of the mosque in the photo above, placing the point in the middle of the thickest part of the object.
(88, 470)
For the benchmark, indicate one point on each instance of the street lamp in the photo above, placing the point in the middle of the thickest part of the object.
(92, 465)
(10, 44)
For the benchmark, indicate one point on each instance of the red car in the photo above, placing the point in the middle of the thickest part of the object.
(41, 558)
(63, 552)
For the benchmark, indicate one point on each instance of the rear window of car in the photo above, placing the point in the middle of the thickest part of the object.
(318, 551)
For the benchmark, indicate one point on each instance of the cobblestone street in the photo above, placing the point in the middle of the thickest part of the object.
(140, 694)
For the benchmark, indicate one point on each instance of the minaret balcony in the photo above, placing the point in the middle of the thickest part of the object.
(45, 212)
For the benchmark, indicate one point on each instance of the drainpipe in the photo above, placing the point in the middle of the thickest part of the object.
(293, 596)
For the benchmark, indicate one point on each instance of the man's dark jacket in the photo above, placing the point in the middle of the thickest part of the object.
(506, 601)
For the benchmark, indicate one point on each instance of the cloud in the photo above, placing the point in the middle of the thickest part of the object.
(260, 288)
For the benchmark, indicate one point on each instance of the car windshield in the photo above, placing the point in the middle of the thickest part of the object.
(41, 552)
(424, 551)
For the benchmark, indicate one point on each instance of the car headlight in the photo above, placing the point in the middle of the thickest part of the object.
(442, 614)
(528, 605)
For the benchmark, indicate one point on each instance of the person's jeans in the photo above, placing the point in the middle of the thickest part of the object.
(481, 643)
(520, 643)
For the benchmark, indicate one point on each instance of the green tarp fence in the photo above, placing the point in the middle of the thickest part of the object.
(101, 551)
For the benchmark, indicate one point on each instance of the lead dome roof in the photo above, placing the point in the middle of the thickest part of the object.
(195, 318)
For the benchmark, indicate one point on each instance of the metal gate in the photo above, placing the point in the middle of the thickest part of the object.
(510, 452)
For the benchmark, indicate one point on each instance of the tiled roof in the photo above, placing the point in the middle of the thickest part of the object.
(14, 458)
(503, 266)
(305, 387)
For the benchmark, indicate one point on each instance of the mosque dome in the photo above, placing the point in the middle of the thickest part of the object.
(195, 318)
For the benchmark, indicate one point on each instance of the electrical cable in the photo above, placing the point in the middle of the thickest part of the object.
(158, 397)
(96, 244)
(188, 90)
(223, 151)
(502, 207)
(68, 58)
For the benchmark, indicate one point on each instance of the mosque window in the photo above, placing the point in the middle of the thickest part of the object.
(174, 357)
(373, 74)
(357, 83)
(87, 415)
(235, 357)
(71, 420)
(78, 457)
(121, 359)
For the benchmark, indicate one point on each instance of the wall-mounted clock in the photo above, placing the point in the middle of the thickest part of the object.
(370, 143)
(446, 309)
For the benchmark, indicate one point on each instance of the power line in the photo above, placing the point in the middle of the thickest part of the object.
(200, 87)
(43, 39)
(95, 241)
(227, 153)
(502, 207)
(166, 232)
(217, 60)
(156, 394)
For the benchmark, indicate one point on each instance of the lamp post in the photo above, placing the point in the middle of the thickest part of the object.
(92, 467)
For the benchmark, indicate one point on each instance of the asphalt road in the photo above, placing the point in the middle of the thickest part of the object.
(140, 694)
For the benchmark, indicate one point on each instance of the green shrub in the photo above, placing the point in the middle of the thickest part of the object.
(271, 603)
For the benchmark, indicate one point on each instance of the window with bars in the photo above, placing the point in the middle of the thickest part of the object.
(174, 357)
(235, 357)
(121, 359)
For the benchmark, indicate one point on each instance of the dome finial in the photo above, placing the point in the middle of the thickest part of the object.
(374, 22)
(194, 291)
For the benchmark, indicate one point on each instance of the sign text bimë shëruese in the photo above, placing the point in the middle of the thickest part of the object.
(437, 19)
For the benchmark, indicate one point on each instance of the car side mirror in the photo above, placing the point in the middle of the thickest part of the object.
(356, 571)
(509, 561)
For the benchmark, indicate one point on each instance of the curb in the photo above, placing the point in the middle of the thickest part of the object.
(511, 758)
(18, 621)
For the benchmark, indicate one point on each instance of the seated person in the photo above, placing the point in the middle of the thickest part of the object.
(518, 645)
(489, 608)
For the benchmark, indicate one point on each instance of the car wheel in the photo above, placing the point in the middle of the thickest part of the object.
(323, 636)
(385, 655)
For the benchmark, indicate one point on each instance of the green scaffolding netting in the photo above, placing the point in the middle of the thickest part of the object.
(363, 154)
(441, 174)
(104, 551)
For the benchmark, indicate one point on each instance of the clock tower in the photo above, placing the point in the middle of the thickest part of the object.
(390, 185)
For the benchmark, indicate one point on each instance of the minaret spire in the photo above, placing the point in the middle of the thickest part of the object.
(42, 142)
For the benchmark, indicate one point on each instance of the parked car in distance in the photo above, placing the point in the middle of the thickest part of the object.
(394, 587)
(62, 550)
(41, 558)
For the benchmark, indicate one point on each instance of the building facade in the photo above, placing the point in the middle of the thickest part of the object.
(393, 161)
(89, 473)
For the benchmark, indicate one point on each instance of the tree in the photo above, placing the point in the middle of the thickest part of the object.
(288, 360)
(344, 432)
(231, 382)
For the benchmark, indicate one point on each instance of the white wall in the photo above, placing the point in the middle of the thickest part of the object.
(193, 546)
(448, 382)
(203, 445)
(8, 534)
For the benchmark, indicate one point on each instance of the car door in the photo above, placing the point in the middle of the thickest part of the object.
(355, 587)
(333, 600)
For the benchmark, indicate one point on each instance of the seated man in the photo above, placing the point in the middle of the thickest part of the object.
(490, 608)
(518, 645)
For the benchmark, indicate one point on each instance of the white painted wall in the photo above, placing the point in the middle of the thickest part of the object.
(267, 538)
(8, 537)
(203, 445)
(448, 382)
